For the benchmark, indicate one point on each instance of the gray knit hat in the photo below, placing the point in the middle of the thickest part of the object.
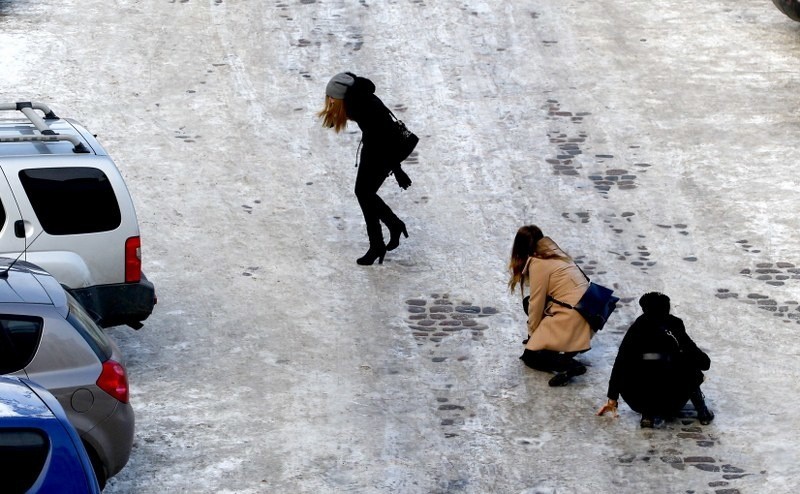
(337, 86)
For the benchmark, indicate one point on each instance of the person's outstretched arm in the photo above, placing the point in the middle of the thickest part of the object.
(610, 406)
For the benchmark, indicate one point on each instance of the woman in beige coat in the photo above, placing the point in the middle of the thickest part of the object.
(555, 333)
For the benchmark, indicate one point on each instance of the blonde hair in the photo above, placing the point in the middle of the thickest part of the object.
(334, 115)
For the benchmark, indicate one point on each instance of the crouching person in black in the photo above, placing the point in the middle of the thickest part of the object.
(658, 367)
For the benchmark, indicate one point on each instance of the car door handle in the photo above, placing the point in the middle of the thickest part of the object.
(19, 229)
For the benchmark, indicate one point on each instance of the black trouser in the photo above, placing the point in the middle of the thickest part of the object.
(369, 179)
(661, 389)
(666, 405)
(549, 360)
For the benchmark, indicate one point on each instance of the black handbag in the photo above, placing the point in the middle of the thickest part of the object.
(404, 141)
(596, 305)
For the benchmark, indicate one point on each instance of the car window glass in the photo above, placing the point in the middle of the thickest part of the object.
(19, 339)
(23, 452)
(88, 329)
(71, 200)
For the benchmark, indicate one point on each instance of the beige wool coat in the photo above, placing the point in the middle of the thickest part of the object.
(551, 326)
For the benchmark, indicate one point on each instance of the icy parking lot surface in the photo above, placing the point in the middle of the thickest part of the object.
(654, 143)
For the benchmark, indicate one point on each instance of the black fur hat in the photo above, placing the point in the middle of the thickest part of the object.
(654, 304)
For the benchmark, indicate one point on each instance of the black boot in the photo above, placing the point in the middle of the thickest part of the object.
(704, 415)
(564, 377)
(377, 249)
(376, 252)
(647, 422)
(394, 235)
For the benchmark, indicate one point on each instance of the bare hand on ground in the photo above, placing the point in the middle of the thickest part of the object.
(610, 406)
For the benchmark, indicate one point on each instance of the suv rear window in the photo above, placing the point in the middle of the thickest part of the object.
(22, 454)
(88, 329)
(70, 201)
(19, 339)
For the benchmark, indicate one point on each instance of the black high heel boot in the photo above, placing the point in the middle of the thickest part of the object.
(394, 238)
(373, 253)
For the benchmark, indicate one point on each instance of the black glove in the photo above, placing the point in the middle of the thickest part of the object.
(402, 179)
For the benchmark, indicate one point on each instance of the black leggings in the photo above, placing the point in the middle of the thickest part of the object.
(369, 179)
(549, 360)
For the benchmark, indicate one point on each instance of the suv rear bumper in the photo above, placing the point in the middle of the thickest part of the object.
(117, 304)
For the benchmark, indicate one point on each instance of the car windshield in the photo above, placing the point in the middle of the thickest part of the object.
(88, 329)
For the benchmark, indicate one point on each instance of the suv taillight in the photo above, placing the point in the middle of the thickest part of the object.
(113, 380)
(133, 260)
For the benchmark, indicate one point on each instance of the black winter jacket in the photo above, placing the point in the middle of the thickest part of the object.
(656, 351)
(372, 116)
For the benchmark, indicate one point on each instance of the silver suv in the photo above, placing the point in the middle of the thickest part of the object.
(46, 336)
(65, 207)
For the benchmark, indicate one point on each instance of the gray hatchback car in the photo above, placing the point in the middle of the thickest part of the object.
(46, 336)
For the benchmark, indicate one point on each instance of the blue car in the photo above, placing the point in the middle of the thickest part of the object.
(40, 452)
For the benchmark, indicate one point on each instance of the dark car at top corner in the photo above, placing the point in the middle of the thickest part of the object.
(791, 8)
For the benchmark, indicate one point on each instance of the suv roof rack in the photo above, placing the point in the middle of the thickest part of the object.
(46, 133)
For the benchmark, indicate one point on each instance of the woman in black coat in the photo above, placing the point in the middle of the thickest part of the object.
(658, 367)
(350, 97)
